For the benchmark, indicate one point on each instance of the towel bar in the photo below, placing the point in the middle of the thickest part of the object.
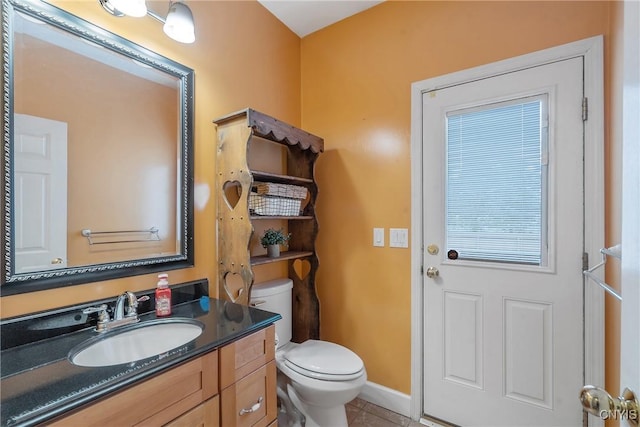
(152, 232)
(613, 251)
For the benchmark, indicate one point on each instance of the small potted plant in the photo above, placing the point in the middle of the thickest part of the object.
(272, 239)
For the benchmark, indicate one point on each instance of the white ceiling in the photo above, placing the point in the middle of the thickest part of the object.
(304, 17)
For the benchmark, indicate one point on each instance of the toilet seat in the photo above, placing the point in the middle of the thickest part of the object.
(324, 361)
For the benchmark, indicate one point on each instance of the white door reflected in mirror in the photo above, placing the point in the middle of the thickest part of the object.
(40, 193)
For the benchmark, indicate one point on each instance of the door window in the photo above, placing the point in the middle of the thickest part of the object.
(496, 178)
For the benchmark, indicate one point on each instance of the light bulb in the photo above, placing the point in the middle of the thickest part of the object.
(179, 23)
(134, 8)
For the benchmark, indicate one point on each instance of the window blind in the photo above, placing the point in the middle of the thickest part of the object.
(494, 184)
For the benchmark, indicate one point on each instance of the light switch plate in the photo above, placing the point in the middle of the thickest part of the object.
(378, 237)
(398, 238)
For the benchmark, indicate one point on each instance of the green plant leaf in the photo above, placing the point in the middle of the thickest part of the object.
(272, 236)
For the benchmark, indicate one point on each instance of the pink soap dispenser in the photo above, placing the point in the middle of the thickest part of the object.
(163, 296)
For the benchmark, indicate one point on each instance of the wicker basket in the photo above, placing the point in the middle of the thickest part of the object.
(271, 199)
(280, 190)
(274, 206)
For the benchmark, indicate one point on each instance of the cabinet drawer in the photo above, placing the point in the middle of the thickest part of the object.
(155, 401)
(244, 356)
(252, 400)
(207, 414)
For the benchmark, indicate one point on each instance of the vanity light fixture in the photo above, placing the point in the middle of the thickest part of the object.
(178, 24)
(133, 8)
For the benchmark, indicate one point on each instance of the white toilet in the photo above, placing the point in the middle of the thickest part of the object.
(317, 377)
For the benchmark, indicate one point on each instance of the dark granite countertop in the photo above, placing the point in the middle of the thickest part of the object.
(38, 382)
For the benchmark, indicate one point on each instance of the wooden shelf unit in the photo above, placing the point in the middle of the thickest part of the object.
(238, 133)
(283, 179)
(293, 218)
(287, 255)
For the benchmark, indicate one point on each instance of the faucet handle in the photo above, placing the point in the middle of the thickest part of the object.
(102, 309)
(132, 307)
(103, 316)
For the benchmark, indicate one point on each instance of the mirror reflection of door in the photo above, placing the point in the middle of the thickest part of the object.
(41, 193)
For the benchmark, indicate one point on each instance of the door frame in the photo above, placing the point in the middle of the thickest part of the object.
(630, 264)
(592, 51)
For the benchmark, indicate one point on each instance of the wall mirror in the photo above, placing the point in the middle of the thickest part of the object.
(98, 153)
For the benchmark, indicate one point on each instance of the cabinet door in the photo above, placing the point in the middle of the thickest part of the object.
(252, 400)
(206, 414)
(244, 356)
(154, 401)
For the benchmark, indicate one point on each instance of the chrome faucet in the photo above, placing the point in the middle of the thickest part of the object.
(119, 316)
(132, 306)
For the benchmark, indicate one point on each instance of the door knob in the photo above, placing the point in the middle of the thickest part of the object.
(432, 272)
(598, 402)
(57, 261)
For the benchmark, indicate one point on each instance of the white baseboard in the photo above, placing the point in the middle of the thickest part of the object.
(387, 398)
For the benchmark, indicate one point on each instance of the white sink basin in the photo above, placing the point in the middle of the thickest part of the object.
(136, 342)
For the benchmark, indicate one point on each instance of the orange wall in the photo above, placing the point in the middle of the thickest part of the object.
(356, 87)
(243, 56)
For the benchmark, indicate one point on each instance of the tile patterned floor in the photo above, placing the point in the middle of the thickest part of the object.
(361, 413)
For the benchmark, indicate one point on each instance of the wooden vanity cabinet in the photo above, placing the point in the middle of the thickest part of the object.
(204, 415)
(248, 381)
(154, 402)
(194, 394)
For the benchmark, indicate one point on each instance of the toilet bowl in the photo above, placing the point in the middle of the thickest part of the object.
(318, 377)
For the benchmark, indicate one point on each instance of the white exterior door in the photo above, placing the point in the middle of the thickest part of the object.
(503, 319)
(40, 221)
(630, 265)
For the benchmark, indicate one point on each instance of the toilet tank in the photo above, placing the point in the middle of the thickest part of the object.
(276, 296)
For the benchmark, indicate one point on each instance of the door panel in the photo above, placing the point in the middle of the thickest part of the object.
(504, 340)
(463, 338)
(528, 342)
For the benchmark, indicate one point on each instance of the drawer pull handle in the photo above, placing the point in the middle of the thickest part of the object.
(254, 408)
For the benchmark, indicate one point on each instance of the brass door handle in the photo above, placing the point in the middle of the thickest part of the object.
(598, 402)
(432, 272)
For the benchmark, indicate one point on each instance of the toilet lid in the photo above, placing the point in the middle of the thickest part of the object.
(324, 360)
